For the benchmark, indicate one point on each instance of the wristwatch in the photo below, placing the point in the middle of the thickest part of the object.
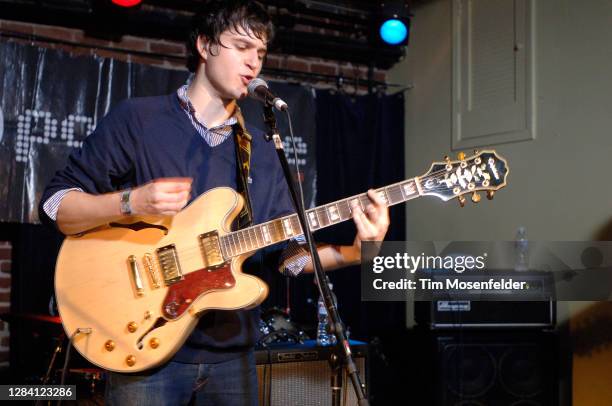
(125, 202)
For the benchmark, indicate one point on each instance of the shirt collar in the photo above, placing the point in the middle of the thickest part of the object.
(186, 105)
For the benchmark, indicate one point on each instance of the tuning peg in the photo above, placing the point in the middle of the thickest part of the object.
(490, 194)
(461, 156)
(461, 201)
(476, 152)
(446, 159)
(475, 197)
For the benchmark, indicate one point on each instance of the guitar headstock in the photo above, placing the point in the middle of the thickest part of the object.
(483, 171)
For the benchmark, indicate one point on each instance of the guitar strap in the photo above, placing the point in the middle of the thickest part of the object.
(243, 162)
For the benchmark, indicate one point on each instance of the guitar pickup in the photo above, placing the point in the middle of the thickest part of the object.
(211, 250)
(168, 261)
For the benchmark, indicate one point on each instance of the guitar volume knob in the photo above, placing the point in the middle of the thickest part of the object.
(132, 326)
(130, 360)
(109, 345)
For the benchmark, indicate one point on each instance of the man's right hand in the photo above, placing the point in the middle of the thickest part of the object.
(163, 196)
(80, 211)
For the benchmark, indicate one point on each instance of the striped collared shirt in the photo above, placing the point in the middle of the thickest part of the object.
(213, 135)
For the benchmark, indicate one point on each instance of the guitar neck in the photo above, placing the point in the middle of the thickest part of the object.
(284, 228)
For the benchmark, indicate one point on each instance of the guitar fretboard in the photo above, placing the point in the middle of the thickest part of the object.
(284, 228)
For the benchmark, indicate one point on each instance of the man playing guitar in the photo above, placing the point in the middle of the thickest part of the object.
(152, 156)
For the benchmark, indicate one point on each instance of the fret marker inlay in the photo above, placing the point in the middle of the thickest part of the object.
(287, 227)
(383, 196)
(333, 213)
(409, 189)
(313, 219)
(266, 234)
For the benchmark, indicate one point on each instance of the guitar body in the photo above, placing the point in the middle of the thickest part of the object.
(131, 292)
(138, 317)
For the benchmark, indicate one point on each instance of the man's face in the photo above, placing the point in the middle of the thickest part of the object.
(230, 66)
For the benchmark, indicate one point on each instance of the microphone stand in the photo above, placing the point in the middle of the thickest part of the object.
(336, 326)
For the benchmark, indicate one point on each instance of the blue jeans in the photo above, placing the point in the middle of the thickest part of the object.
(232, 383)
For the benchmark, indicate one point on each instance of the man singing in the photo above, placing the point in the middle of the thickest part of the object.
(153, 155)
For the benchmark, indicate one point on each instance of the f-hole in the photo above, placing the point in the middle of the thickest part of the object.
(158, 323)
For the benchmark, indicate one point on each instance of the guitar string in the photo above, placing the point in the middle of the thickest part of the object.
(189, 253)
(243, 248)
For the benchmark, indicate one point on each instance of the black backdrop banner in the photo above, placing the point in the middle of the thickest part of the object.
(360, 145)
(51, 100)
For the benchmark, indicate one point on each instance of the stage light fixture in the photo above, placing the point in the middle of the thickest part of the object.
(393, 31)
(126, 3)
(394, 22)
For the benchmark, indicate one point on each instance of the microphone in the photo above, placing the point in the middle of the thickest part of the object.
(258, 89)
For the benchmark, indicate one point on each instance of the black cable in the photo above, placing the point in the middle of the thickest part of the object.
(268, 400)
(67, 358)
(297, 170)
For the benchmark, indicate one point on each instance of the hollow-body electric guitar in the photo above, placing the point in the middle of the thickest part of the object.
(130, 293)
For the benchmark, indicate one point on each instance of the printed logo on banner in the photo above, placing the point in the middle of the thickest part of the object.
(301, 149)
(40, 127)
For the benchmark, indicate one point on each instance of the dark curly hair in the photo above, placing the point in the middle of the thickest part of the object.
(215, 17)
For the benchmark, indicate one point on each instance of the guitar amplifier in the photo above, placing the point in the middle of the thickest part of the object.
(477, 314)
(300, 374)
(494, 308)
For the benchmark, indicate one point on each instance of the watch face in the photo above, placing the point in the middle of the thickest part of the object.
(125, 202)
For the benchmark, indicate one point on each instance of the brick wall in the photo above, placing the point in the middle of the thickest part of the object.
(171, 55)
(5, 299)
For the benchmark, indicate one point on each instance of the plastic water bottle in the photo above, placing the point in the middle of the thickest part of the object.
(323, 335)
(521, 247)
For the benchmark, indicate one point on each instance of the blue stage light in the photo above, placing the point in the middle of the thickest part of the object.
(393, 31)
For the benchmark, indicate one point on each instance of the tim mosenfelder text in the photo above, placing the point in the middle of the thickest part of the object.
(450, 284)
